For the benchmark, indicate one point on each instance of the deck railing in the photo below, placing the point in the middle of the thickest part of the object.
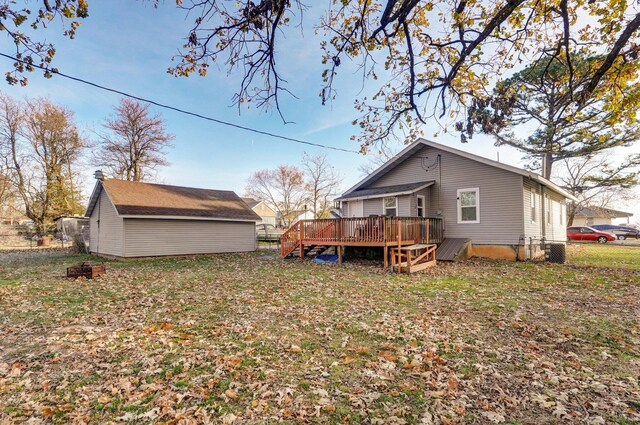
(363, 231)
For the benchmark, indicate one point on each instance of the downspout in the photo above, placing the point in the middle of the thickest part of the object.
(99, 205)
(543, 219)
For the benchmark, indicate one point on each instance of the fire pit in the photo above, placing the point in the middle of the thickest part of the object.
(87, 270)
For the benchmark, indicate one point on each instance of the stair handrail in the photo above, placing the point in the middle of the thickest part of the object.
(290, 239)
(321, 233)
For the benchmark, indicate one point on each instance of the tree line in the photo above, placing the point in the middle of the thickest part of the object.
(43, 151)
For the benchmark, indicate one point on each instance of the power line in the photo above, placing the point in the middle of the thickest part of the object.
(182, 111)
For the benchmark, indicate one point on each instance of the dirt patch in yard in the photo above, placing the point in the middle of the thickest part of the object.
(237, 339)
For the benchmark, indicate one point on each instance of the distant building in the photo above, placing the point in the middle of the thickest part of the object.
(590, 215)
(266, 213)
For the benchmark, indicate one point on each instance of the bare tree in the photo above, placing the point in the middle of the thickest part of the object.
(283, 188)
(136, 143)
(595, 181)
(322, 183)
(41, 146)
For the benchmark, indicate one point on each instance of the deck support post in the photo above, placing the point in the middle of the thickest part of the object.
(340, 254)
(301, 238)
(399, 245)
(386, 257)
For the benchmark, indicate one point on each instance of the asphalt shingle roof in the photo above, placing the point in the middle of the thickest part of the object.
(378, 191)
(149, 199)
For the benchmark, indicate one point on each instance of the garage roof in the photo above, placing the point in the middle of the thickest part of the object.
(159, 200)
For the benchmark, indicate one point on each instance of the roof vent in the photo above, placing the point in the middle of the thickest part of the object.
(99, 175)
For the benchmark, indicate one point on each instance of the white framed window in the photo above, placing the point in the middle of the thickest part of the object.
(533, 207)
(548, 208)
(421, 206)
(563, 212)
(469, 205)
(390, 206)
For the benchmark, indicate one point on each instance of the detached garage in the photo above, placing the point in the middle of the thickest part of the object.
(132, 219)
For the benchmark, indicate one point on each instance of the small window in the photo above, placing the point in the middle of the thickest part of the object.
(563, 209)
(469, 205)
(533, 206)
(548, 201)
(421, 206)
(390, 206)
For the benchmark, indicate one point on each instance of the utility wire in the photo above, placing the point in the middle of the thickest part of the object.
(173, 108)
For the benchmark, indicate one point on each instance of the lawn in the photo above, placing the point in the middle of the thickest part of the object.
(250, 338)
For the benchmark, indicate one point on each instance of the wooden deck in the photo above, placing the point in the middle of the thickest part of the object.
(385, 232)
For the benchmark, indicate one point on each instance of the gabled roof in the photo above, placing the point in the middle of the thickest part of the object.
(421, 143)
(148, 200)
(395, 190)
(251, 202)
(593, 211)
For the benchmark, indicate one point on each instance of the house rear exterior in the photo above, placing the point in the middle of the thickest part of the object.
(505, 211)
(133, 219)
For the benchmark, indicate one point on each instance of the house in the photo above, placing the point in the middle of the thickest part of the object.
(505, 211)
(266, 213)
(589, 215)
(133, 219)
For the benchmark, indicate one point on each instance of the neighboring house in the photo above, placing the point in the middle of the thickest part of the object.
(590, 215)
(505, 211)
(266, 213)
(303, 215)
(132, 219)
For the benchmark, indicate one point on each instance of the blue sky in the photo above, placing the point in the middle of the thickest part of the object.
(128, 45)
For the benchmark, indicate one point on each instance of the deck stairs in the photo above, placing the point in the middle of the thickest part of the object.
(310, 250)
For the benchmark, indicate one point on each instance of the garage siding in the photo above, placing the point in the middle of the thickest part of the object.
(156, 237)
(106, 237)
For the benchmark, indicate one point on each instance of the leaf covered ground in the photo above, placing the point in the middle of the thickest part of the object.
(250, 338)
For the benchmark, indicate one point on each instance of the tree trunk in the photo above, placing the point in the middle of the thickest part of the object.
(571, 213)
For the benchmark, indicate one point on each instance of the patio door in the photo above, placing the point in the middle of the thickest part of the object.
(356, 208)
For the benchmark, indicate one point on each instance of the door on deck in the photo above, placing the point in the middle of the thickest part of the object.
(356, 208)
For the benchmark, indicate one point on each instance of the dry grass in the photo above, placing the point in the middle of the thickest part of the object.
(253, 339)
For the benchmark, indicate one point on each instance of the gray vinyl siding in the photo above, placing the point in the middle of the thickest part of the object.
(501, 204)
(157, 237)
(106, 237)
(532, 226)
(344, 207)
(405, 206)
(554, 231)
(372, 207)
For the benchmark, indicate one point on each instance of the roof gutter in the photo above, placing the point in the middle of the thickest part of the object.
(190, 218)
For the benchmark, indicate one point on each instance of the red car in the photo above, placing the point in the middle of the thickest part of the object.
(583, 233)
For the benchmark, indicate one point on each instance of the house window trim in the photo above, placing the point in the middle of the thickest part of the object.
(477, 205)
(424, 203)
(534, 209)
(563, 213)
(384, 207)
(549, 209)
